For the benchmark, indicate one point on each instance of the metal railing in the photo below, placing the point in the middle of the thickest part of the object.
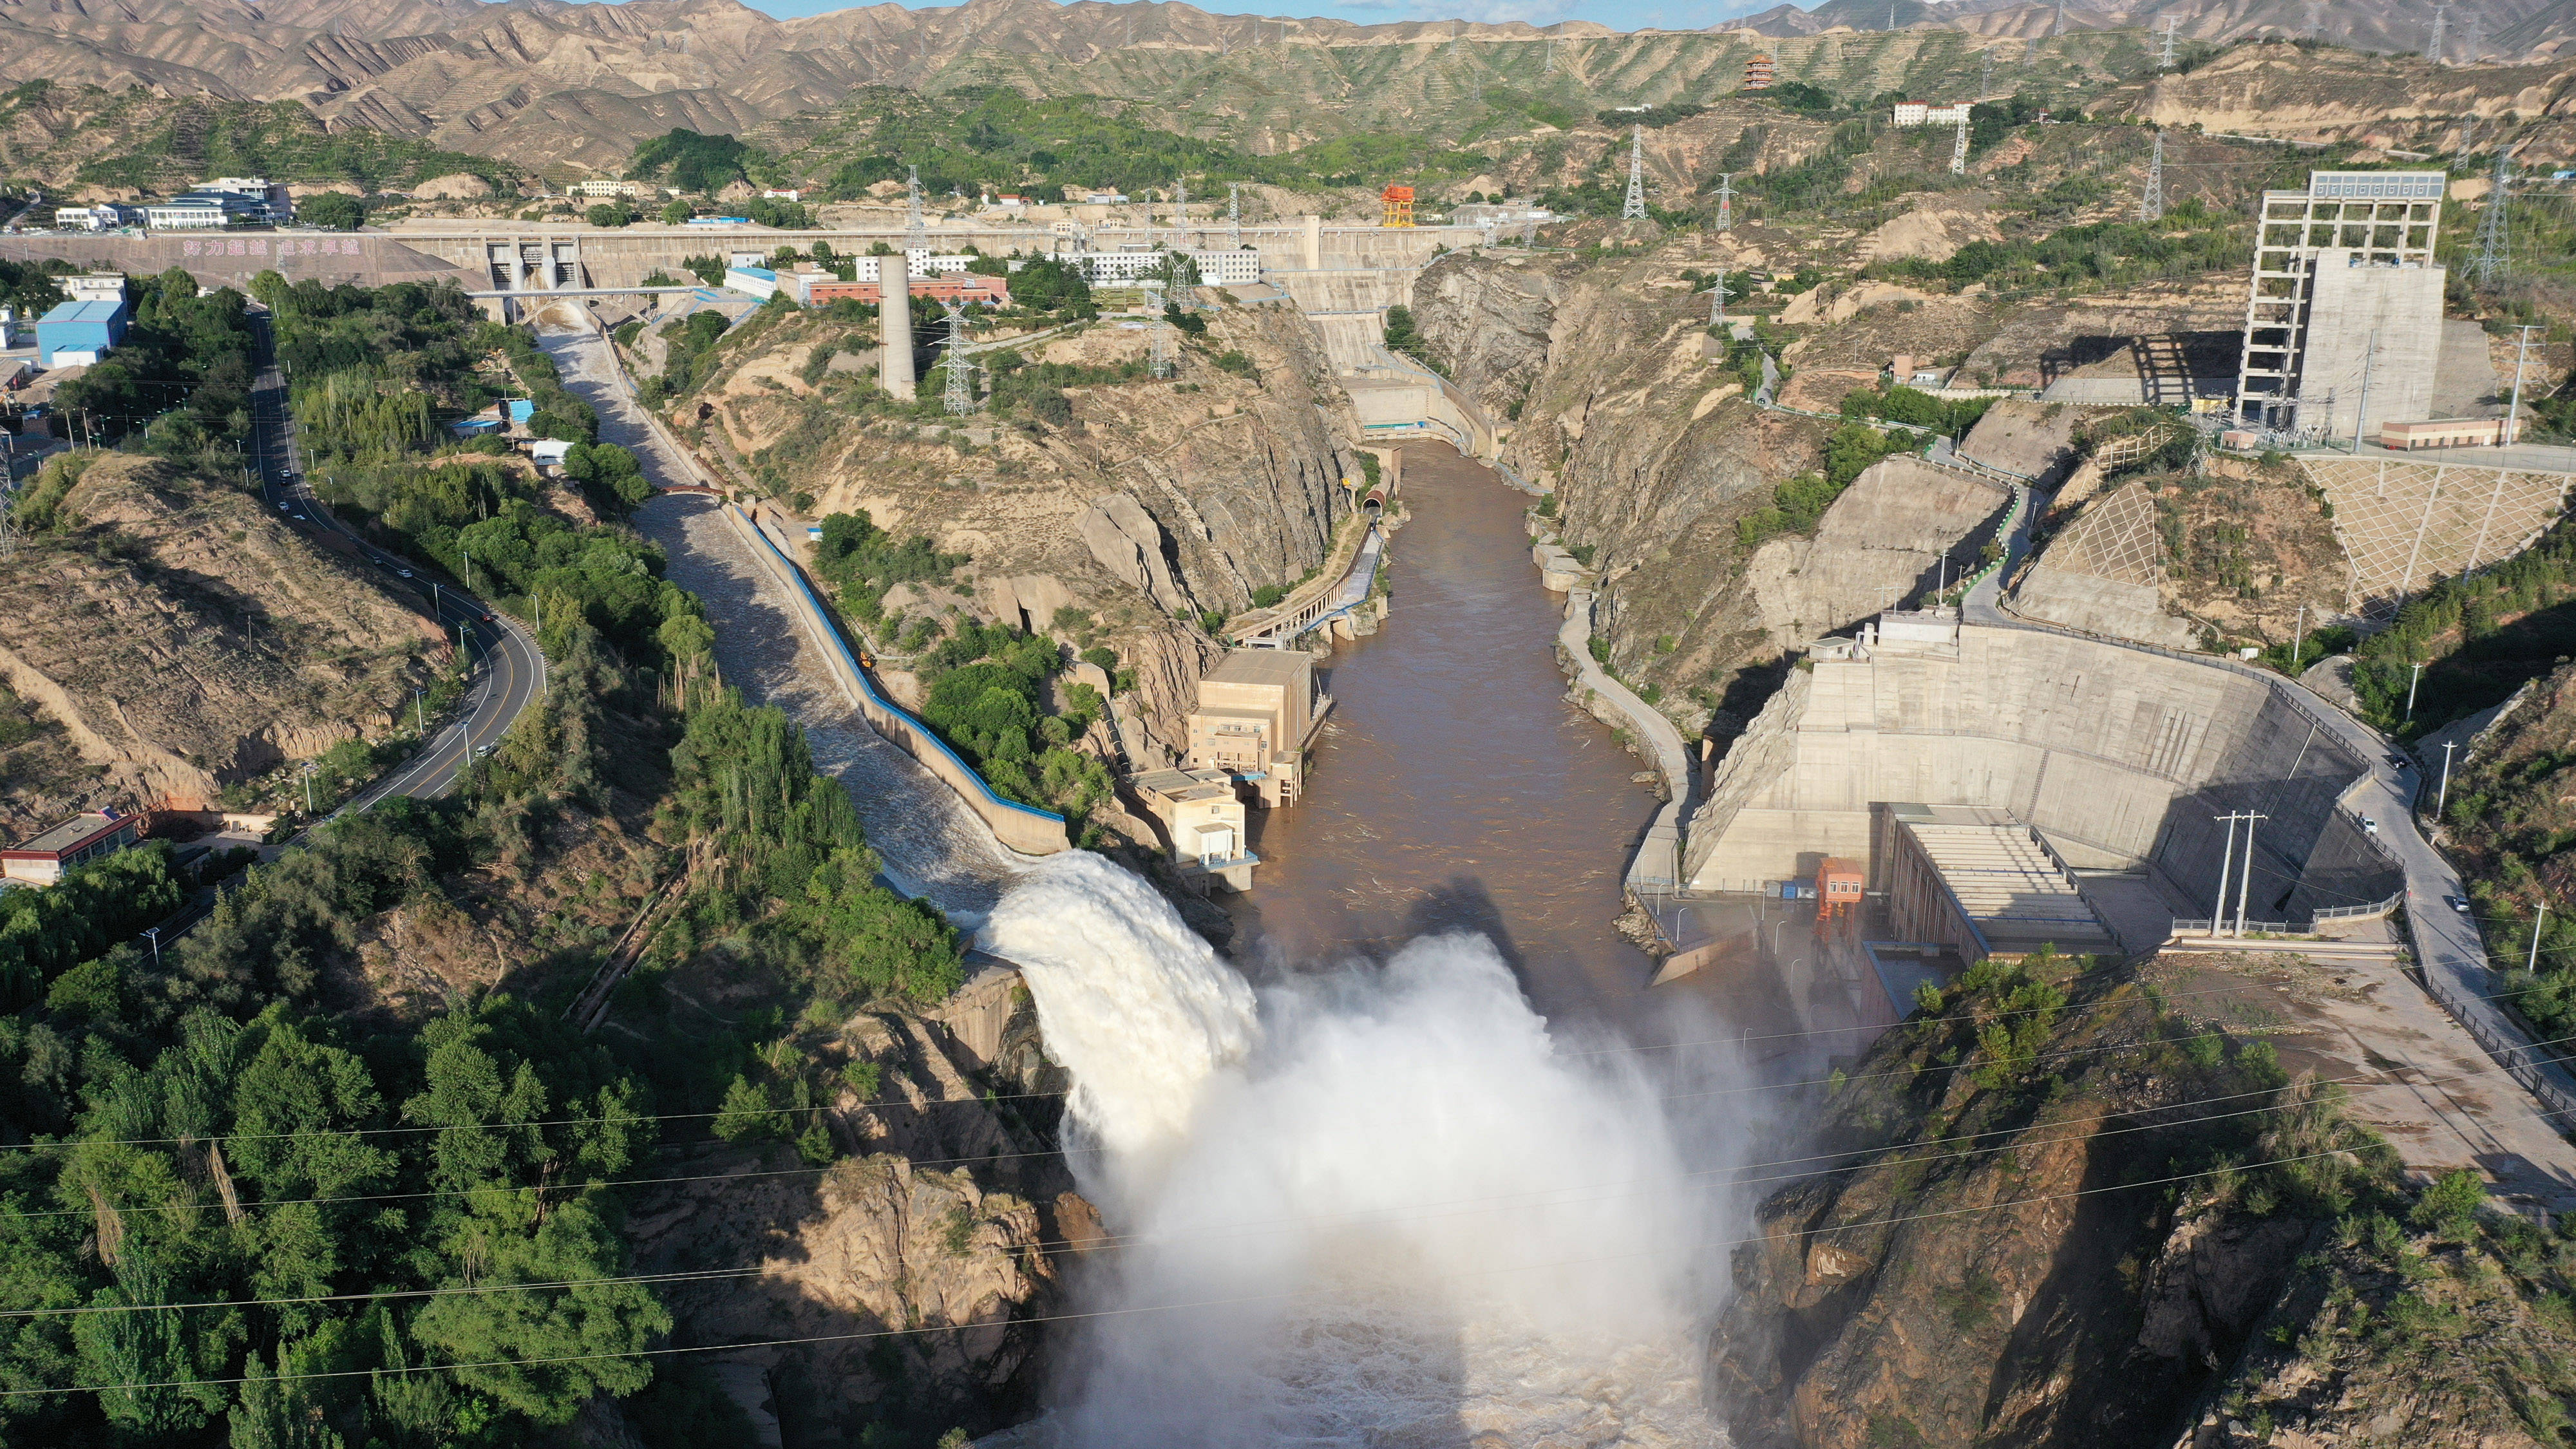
(2524, 1062)
(2360, 913)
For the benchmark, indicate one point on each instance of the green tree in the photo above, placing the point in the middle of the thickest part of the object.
(675, 212)
(502, 1342)
(332, 211)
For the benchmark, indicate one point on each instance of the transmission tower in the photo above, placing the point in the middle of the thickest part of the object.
(2059, 23)
(1726, 202)
(912, 224)
(959, 398)
(1158, 358)
(1635, 208)
(1181, 211)
(1986, 86)
(1717, 301)
(2151, 202)
(2495, 247)
(1234, 217)
(1959, 151)
(2477, 45)
(2165, 61)
(1550, 68)
(2433, 46)
(1453, 40)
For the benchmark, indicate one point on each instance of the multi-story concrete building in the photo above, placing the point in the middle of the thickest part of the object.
(2344, 293)
(1257, 712)
(1924, 113)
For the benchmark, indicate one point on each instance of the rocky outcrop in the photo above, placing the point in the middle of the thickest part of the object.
(186, 641)
(1125, 540)
(1902, 527)
(1150, 506)
(951, 1212)
(1981, 1273)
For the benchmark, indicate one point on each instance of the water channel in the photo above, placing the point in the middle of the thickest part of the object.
(1454, 787)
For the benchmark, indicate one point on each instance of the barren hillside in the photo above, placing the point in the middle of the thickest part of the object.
(184, 641)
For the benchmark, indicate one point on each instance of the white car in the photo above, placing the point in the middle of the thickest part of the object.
(402, 573)
(2369, 826)
(2457, 903)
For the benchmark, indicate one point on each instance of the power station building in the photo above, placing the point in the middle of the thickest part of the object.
(2343, 317)
(1258, 711)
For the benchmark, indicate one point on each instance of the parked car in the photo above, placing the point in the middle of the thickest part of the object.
(2457, 903)
(2369, 826)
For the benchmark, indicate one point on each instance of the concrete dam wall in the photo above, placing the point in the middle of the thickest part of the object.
(2118, 756)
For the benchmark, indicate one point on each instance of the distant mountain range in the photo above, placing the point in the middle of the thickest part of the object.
(542, 82)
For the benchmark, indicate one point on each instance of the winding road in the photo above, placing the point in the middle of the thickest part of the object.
(510, 671)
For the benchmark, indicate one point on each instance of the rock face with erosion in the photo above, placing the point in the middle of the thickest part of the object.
(184, 640)
(1145, 504)
(950, 1212)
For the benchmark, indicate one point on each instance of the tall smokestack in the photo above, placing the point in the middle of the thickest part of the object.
(894, 321)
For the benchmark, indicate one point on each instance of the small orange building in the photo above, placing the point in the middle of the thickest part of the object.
(1838, 888)
(1398, 203)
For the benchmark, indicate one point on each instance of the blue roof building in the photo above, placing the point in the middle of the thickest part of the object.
(79, 327)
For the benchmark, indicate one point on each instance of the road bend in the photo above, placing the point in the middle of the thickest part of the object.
(509, 670)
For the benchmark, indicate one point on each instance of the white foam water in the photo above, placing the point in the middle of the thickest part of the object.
(1379, 1206)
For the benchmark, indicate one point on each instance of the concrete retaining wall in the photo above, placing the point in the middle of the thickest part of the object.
(2119, 756)
(1026, 830)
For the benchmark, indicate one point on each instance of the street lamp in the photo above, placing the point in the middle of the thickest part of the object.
(310, 769)
(154, 934)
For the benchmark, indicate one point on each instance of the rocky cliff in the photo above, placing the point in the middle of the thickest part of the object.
(1145, 505)
(954, 1212)
(2071, 1215)
(182, 640)
(1611, 392)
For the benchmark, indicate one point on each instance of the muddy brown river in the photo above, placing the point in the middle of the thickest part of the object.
(1454, 787)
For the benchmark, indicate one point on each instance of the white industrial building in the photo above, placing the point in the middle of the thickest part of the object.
(2343, 316)
(1924, 113)
(1216, 268)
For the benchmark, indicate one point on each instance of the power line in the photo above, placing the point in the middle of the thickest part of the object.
(1285, 1296)
(1625, 1049)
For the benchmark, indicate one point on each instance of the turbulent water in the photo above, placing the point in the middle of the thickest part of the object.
(1380, 1205)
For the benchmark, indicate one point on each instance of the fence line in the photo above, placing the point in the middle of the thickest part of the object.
(2514, 1057)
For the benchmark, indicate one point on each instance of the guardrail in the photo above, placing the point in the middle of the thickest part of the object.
(2519, 1060)
(2360, 913)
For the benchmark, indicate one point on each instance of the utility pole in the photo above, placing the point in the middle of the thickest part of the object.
(2245, 875)
(2411, 681)
(2361, 415)
(959, 398)
(1158, 361)
(2521, 356)
(153, 933)
(2165, 61)
(2299, 644)
(420, 711)
(2495, 246)
(2226, 864)
(2442, 797)
(308, 787)
(2151, 202)
(2433, 46)
(1635, 208)
(1726, 202)
(2532, 964)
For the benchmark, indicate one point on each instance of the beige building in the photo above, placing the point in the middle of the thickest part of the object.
(1258, 710)
(1202, 812)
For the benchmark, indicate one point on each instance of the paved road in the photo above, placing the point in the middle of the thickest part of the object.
(2447, 946)
(510, 671)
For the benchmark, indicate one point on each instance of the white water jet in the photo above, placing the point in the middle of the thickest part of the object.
(1380, 1206)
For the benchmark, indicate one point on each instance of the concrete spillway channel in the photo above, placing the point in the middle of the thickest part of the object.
(931, 844)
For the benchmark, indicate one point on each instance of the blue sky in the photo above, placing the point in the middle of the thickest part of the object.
(1620, 14)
